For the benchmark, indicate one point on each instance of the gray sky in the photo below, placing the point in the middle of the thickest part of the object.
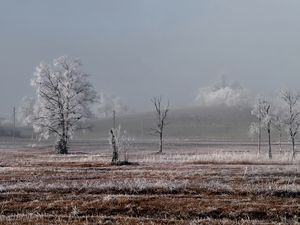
(140, 48)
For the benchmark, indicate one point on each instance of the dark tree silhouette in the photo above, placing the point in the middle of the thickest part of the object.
(161, 116)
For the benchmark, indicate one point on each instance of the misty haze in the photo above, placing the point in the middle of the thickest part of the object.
(149, 112)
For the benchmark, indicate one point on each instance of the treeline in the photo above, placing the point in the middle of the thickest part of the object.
(281, 114)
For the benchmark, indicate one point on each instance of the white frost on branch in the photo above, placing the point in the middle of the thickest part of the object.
(261, 110)
(223, 94)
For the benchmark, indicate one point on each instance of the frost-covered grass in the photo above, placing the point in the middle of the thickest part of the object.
(184, 156)
(179, 187)
(220, 157)
(136, 185)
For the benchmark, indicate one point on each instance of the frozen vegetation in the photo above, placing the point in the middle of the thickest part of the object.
(187, 186)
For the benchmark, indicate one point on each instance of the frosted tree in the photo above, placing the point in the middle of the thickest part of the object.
(25, 112)
(292, 118)
(161, 116)
(262, 111)
(223, 93)
(120, 142)
(110, 103)
(63, 100)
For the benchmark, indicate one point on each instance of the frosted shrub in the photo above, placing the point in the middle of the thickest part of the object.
(120, 142)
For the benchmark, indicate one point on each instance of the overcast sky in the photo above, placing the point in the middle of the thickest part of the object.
(140, 48)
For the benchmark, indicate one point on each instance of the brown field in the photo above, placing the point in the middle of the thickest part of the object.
(179, 187)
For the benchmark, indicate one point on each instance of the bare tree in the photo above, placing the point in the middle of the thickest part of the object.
(268, 122)
(161, 116)
(262, 110)
(293, 116)
(63, 99)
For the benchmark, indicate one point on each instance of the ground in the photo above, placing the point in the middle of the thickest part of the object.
(197, 185)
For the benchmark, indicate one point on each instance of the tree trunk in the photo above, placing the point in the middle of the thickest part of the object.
(160, 142)
(115, 157)
(61, 146)
(270, 146)
(294, 152)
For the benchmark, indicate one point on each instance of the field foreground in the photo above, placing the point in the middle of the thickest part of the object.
(38, 187)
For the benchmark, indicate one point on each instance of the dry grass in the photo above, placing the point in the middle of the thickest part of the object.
(190, 187)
